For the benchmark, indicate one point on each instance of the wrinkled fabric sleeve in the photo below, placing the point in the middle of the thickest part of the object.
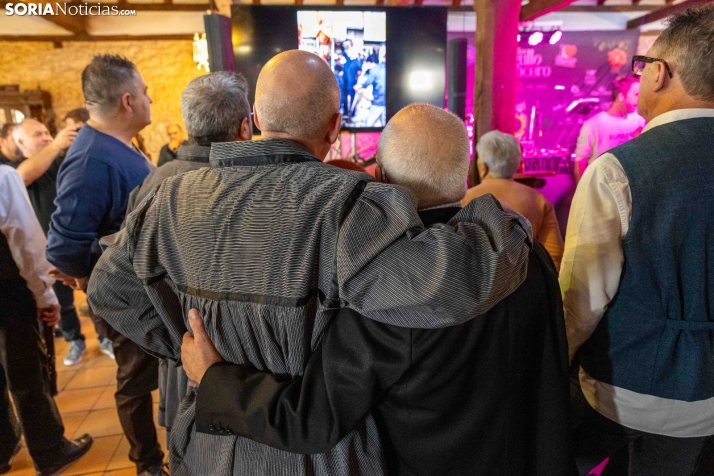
(84, 200)
(391, 269)
(118, 295)
(356, 362)
(25, 237)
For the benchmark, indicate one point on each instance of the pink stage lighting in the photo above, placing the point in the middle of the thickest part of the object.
(555, 37)
(535, 38)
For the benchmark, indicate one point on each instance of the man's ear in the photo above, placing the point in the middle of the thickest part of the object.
(380, 175)
(660, 79)
(246, 129)
(127, 101)
(482, 168)
(335, 125)
(255, 117)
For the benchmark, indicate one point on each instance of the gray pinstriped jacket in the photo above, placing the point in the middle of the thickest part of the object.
(268, 243)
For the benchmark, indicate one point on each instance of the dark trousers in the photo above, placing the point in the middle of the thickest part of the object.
(69, 321)
(137, 377)
(635, 453)
(24, 375)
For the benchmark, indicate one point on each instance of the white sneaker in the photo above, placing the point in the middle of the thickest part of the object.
(75, 353)
(105, 346)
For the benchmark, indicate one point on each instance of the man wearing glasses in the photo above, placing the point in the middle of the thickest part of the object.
(638, 270)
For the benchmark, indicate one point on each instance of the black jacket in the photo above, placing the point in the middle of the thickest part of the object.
(486, 397)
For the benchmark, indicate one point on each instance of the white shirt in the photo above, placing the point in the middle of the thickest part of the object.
(604, 131)
(25, 236)
(589, 278)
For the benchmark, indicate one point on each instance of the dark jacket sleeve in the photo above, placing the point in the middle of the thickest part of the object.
(391, 269)
(356, 362)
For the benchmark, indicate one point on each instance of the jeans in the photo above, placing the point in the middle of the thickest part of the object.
(69, 321)
(24, 375)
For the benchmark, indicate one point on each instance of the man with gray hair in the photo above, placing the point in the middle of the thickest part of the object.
(215, 108)
(499, 156)
(638, 269)
(270, 242)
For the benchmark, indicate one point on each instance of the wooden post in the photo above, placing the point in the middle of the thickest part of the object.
(496, 77)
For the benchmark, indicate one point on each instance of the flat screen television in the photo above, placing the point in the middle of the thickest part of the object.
(383, 58)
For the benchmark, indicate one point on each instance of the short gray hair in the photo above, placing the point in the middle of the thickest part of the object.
(214, 106)
(500, 152)
(689, 41)
(426, 149)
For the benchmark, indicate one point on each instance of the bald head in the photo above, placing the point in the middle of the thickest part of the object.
(297, 94)
(31, 136)
(426, 149)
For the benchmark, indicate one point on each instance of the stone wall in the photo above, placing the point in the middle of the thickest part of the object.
(166, 66)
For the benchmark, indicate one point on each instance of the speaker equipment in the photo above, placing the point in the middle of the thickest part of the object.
(220, 46)
(457, 77)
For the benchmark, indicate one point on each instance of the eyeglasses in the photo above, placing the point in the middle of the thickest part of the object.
(639, 63)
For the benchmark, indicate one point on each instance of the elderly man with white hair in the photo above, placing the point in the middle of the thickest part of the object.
(460, 400)
(499, 156)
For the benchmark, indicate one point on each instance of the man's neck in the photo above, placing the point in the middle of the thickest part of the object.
(9, 156)
(495, 177)
(311, 147)
(617, 110)
(676, 104)
(119, 131)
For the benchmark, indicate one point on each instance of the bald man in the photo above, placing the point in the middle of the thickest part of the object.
(454, 401)
(269, 242)
(169, 152)
(39, 172)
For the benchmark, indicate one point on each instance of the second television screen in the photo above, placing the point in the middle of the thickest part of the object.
(354, 45)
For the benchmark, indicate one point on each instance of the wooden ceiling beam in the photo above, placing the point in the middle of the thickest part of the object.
(84, 37)
(538, 8)
(663, 13)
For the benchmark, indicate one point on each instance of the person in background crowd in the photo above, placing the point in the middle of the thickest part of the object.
(9, 152)
(101, 169)
(169, 151)
(39, 172)
(497, 406)
(375, 76)
(223, 239)
(26, 296)
(499, 156)
(76, 118)
(610, 128)
(638, 270)
(215, 108)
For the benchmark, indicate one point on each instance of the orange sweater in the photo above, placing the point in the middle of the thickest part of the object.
(530, 204)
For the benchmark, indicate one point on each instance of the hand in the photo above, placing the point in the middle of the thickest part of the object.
(49, 315)
(197, 352)
(64, 138)
(78, 284)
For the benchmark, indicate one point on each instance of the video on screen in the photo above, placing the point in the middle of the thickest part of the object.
(354, 45)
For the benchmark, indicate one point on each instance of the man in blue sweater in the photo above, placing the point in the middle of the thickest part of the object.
(101, 168)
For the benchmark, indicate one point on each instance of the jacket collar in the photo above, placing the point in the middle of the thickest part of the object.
(258, 152)
(431, 216)
(193, 153)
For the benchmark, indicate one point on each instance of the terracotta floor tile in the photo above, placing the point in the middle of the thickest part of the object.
(96, 458)
(22, 465)
(98, 423)
(120, 458)
(64, 377)
(72, 421)
(82, 399)
(106, 400)
(122, 472)
(97, 377)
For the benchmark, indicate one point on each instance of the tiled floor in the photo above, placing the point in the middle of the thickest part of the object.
(86, 402)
